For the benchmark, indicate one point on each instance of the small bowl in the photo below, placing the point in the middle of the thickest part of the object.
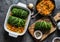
(55, 39)
(39, 36)
(58, 25)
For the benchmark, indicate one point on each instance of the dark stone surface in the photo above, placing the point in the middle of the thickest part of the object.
(4, 5)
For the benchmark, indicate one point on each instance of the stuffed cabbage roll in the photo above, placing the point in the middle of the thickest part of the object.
(19, 12)
(16, 21)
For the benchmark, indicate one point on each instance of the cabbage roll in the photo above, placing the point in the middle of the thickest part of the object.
(16, 21)
(19, 12)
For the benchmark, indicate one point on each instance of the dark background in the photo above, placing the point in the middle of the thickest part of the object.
(4, 5)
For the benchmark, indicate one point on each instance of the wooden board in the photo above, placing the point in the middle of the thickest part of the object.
(45, 35)
(57, 16)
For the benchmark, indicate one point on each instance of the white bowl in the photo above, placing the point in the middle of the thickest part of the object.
(39, 36)
(11, 33)
(55, 38)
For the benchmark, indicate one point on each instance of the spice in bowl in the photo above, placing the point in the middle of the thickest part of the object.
(38, 34)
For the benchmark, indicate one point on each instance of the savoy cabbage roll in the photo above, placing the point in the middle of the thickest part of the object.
(19, 12)
(16, 21)
(43, 26)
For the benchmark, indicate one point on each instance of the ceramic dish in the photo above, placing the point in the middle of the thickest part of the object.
(11, 33)
(38, 34)
(56, 38)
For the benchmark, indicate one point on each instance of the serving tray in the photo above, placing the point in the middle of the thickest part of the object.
(45, 35)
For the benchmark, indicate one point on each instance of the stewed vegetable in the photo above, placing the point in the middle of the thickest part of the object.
(19, 12)
(44, 26)
(16, 21)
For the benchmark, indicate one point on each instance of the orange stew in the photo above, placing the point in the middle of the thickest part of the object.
(15, 29)
(45, 7)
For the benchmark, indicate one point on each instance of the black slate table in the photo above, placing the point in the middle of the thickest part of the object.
(4, 37)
